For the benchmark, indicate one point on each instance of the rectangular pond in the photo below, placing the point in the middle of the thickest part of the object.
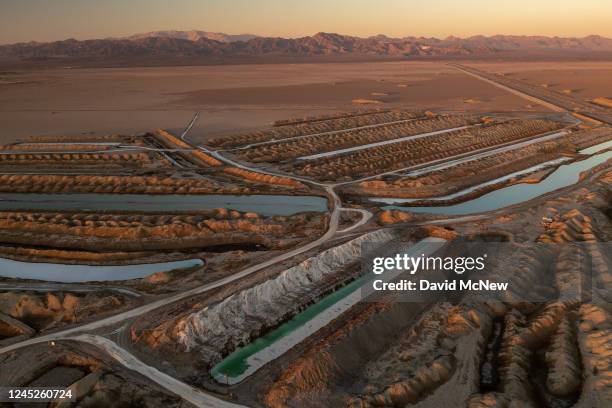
(250, 358)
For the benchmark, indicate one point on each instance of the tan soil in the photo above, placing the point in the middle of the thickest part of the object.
(602, 101)
(363, 101)
(231, 98)
(408, 153)
(129, 232)
(287, 150)
(94, 378)
(435, 361)
(43, 311)
(318, 124)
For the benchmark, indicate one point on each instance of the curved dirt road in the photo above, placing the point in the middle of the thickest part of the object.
(188, 393)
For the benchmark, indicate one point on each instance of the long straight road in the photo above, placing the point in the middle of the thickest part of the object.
(383, 143)
(190, 125)
(457, 159)
(474, 73)
(446, 164)
(328, 133)
(553, 100)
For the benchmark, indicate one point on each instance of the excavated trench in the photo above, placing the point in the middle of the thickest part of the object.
(502, 351)
(216, 331)
(542, 396)
(489, 377)
(337, 301)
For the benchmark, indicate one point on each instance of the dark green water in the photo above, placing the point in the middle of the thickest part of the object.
(235, 366)
(236, 363)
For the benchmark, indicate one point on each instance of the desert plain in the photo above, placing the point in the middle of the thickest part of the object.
(227, 207)
(231, 99)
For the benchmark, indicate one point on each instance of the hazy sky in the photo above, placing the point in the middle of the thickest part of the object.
(46, 20)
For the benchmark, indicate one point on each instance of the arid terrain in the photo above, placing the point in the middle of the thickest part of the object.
(231, 99)
(580, 80)
(196, 236)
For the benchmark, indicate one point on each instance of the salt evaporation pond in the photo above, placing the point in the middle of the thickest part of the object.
(248, 359)
(565, 175)
(51, 272)
(261, 204)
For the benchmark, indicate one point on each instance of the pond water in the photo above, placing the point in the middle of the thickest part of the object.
(261, 204)
(248, 359)
(473, 188)
(52, 272)
(565, 175)
(597, 148)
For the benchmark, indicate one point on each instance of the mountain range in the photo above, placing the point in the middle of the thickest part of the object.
(203, 44)
(193, 35)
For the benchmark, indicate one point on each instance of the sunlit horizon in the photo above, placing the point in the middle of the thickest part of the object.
(38, 20)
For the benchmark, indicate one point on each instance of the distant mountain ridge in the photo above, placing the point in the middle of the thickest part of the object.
(512, 42)
(193, 35)
(207, 44)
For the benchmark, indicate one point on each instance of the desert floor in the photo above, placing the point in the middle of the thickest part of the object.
(230, 98)
(583, 80)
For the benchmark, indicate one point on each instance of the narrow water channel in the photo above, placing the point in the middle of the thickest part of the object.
(473, 188)
(261, 204)
(51, 272)
(597, 148)
(565, 175)
(247, 360)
